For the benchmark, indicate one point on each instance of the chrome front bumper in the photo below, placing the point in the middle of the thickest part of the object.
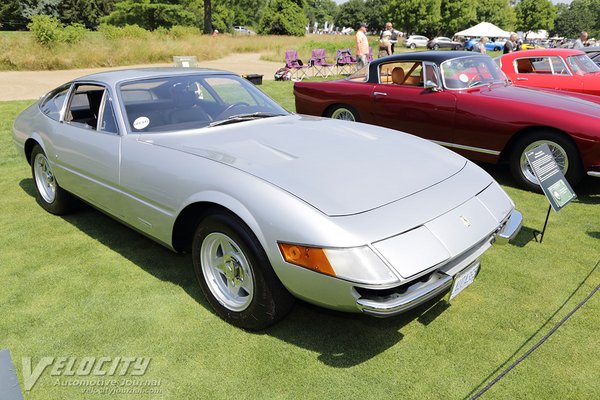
(417, 294)
(511, 228)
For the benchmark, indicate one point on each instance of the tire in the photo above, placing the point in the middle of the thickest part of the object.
(344, 113)
(48, 192)
(456, 47)
(564, 151)
(235, 274)
(413, 46)
(436, 46)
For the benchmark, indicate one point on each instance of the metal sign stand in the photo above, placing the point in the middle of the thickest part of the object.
(536, 232)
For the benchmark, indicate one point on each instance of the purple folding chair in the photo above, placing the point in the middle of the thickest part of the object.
(346, 63)
(295, 65)
(319, 64)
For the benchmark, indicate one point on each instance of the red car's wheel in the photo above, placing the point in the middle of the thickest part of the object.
(343, 112)
(564, 151)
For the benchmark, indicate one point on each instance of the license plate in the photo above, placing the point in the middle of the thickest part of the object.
(463, 279)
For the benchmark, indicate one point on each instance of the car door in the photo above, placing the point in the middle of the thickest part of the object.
(404, 103)
(549, 72)
(87, 146)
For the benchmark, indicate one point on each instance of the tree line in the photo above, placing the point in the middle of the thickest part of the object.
(291, 17)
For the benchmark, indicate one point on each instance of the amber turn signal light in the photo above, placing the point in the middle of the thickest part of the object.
(312, 258)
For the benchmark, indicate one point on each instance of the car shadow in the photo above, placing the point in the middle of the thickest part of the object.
(341, 340)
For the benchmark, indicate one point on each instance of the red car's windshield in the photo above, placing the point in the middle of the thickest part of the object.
(582, 65)
(466, 72)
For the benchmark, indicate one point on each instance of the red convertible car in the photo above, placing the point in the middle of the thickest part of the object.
(560, 69)
(463, 101)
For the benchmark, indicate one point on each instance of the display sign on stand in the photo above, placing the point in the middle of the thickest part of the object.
(552, 181)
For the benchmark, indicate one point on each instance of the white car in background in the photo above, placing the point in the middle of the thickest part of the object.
(414, 41)
(242, 30)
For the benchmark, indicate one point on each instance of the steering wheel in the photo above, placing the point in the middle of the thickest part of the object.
(232, 106)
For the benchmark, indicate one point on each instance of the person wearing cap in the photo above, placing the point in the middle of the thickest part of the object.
(385, 44)
(362, 46)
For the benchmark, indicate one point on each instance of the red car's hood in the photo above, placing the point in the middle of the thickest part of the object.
(544, 99)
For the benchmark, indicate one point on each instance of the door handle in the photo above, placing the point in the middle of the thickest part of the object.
(379, 94)
(522, 79)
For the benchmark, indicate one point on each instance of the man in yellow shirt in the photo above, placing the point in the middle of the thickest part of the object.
(362, 46)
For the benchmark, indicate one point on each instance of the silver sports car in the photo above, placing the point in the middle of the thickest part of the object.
(271, 205)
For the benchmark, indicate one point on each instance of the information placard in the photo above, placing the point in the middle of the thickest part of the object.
(553, 182)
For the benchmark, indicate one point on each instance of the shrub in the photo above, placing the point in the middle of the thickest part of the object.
(73, 33)
(112, 32)
(178, 31)
(283, 17)
(46, 30)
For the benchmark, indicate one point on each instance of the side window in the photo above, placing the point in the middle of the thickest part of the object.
(84, 106)
(558, 66)
(431, 74)
(108, 122)
(54, 101)
(408, 73)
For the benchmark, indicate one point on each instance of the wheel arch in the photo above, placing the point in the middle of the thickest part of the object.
(505, 154)
(30, 144)
(329, 110)
(188, 218)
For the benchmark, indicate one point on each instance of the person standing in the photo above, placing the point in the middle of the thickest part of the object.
(393, 34)
(511, 44)
(582, 41)
(479, 47)
(385, 44)
(362, 46)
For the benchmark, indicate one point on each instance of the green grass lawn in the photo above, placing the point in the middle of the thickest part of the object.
(86, 286)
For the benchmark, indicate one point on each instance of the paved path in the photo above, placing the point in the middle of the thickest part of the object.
(22, 85)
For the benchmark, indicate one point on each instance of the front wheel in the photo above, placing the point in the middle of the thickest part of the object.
(48, 192)
(456, 47)
(413, 46)
(345, 113)
(564, 151)
(235, 274)
(436, 46)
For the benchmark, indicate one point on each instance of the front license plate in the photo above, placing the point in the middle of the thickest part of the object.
(463, 279)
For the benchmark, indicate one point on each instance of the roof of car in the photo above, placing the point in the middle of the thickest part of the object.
(116, 76)
(543, 52)
(432, 56)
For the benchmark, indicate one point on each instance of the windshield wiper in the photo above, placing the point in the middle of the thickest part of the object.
(244, 117)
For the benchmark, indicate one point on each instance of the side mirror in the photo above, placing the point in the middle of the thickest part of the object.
(434, 87)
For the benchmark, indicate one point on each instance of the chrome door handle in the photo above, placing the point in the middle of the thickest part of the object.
(379, 94)
(522, 79)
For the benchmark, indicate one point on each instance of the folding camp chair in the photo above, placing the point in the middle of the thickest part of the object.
(319, 64)
(295, 65)
(346, 63)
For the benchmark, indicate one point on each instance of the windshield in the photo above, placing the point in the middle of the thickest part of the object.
(192, 101)
(582, 65)
(361, 75)
(466, 72)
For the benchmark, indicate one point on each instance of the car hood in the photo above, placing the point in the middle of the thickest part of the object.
(338, 167)
(544, 99)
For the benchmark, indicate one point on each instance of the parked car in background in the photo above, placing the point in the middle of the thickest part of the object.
(462, 100)
(530, 46)
(444, 43)
(560, 69)
(495, 46)
(415, 41)
(593, 53)
(242, 30)
(202, 161)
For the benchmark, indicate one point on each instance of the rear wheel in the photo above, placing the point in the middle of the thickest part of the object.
(235, 274)
(413, 46)
(456, 47)
(345, 113)
(48, 192)
(436, 46)
(564, 151)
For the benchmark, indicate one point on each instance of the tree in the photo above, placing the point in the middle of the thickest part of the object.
(416, 16)
(351, 14)
(457, 15)
(376, 14)
(283, 17)
(533, 15)
(150, 14)
(497, 12)
(208, 28)
(320, 11)
(581, 15)
(11, 15)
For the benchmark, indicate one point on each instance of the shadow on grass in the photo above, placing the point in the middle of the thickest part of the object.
(501, 369)
(342, 340)
(594, 234)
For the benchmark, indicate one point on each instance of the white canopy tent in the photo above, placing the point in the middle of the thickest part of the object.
(541, 34)
(484, 29)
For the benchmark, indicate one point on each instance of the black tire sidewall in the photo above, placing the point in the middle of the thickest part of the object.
(270, 301)
(574, 173)
(63, 202)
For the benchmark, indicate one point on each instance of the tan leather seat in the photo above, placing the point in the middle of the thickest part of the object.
(398, 75)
